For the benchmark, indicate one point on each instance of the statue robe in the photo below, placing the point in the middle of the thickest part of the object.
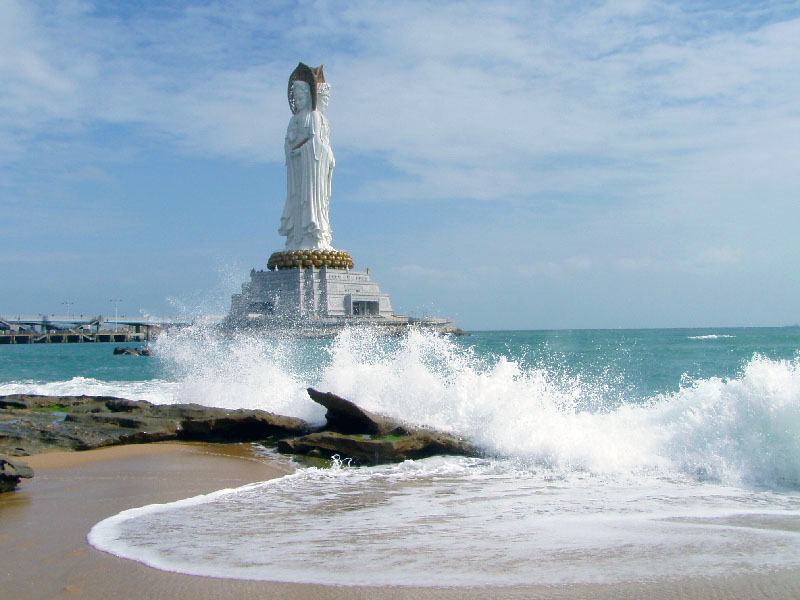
(308, 182)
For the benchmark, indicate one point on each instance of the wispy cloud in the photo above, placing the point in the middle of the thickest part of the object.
(616, 137)
(465, 99)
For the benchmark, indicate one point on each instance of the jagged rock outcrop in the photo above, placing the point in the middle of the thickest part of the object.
(346, 417)
(12, 471)
(31, 424)
(369, 438)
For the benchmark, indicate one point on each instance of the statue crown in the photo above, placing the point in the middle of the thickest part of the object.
(312, 76)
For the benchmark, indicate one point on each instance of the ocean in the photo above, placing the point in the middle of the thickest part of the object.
(609, 455)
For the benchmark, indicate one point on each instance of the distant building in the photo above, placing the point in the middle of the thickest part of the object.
(311, 294)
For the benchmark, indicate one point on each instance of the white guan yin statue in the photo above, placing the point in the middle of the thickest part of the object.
(309, 163)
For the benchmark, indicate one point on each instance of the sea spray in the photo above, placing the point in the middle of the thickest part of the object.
(585, 478)
(241, 370)
(740, 430)
(743, 431)
(157, 391)
(505, 408)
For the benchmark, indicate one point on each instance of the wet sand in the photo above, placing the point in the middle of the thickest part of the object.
(44, 554)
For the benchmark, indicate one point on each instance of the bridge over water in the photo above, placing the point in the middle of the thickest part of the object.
(61, 329)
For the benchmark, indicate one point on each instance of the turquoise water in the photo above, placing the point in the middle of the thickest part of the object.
(608, 455)
(42, 363)
(643, 362)
(632, 365)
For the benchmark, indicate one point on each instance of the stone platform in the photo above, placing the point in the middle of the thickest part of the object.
(310, 293)
(296, 295)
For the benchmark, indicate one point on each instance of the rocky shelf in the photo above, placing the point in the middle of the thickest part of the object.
(32, 424)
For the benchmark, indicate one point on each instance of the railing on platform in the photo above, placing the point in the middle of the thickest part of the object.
(73, 337)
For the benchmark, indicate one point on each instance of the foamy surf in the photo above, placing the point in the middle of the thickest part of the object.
(157, 391)
(737, 430)
(580, 484)
(458, 522)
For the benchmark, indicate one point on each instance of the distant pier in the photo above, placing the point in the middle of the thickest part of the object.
(42, 329)
(74, 337)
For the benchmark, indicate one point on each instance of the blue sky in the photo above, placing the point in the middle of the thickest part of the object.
(509, 164)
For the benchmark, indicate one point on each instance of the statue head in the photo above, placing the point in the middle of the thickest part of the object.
(323, 96)
(312, 77)
(301, 94)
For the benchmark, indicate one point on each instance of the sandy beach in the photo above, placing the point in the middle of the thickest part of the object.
(44, 554)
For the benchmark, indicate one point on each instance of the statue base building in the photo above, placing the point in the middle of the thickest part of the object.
(311, 300)
(311, 293)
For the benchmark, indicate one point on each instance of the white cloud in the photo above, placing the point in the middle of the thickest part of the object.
(639, 136)
(466, 99)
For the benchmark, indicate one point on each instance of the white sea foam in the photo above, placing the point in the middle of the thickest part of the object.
(711, 336)
(461, 522)
(155, 390)
(740, 431)
(703, 480)
(244, 371)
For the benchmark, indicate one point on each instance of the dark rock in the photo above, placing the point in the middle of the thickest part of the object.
(216, 424)
(30, 424)
(12, 402)
(123, 405)
(346, 417)
(11, 472)
(133, 351)
(35, 401)
(369, 438)
(374, 450)
(125, 422)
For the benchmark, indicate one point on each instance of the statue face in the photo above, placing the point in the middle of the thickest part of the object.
(323, 95)
(302, 95)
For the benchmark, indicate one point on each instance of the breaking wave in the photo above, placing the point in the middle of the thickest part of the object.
(743, 430)
(583, 481)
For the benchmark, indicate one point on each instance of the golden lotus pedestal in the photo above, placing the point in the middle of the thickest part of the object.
(308, 259)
